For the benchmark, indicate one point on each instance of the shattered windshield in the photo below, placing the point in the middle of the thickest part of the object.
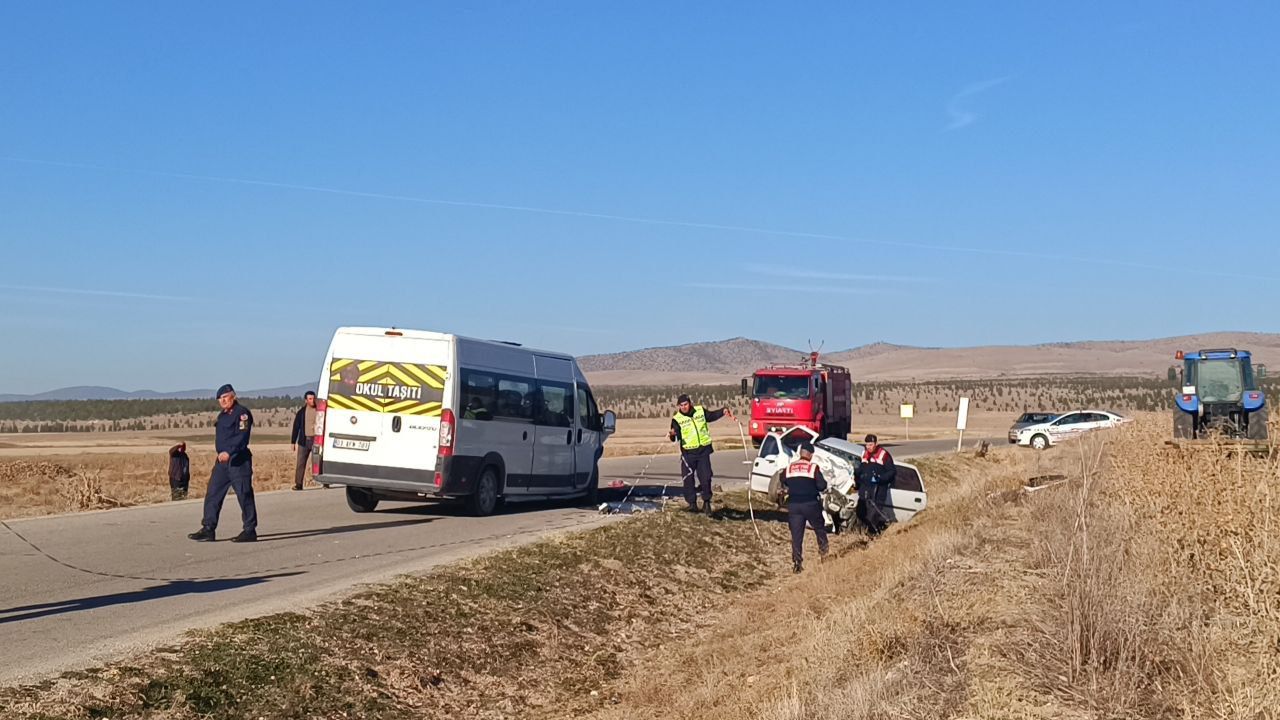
(782, 386)
(1218, 380)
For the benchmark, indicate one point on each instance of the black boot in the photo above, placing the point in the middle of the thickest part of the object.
(245, 536)
(202, 535)
(797, 567)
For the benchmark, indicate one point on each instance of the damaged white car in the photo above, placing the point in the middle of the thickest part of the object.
(839, 460)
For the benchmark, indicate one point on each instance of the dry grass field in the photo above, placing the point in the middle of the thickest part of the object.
(42, 485)
(1135, 582)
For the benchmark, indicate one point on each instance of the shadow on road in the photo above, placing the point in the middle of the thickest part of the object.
(296, 534)
(172, 588)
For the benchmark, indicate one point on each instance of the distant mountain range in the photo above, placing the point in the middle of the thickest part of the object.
(725, 361)
(96, 392)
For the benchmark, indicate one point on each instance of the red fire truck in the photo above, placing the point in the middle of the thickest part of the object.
(811, 394)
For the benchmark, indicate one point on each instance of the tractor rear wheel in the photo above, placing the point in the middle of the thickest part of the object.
(1184, 425)
(1258, 424)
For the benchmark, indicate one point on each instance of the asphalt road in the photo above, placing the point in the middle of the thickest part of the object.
(105, 584)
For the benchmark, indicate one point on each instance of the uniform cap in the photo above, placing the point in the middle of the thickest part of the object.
(224, 390)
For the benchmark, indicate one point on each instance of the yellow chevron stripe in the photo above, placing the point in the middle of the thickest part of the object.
(438, 370)
(339, 364)
(366, 402)
(340, 402)
(401, 376)
(428, 409)
(335, 377)
(421, 374)
(352, 405)
(433, 378)
(401, 406)
(371, 375)
(365, 365)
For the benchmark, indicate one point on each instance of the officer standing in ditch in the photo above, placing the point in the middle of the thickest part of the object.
(232, 470)
(874, 478)
(689, 426)
(805, 484)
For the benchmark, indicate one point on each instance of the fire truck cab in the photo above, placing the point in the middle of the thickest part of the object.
(810, 394)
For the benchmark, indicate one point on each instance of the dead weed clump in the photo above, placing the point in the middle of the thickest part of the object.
(1157, 581)
(1212, 513)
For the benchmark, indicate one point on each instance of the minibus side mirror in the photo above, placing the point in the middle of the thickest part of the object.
(610, 425)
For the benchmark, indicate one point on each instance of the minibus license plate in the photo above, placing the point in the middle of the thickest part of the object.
(350, 444)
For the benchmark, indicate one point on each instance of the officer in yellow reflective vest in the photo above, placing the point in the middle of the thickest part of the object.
(689, 426)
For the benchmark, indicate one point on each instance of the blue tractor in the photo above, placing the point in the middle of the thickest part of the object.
(1219, 393)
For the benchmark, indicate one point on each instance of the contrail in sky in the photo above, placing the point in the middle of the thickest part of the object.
(95, 293)
(992, 252)
(960, 116)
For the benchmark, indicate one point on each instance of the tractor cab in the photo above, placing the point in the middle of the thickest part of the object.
(1219, 392)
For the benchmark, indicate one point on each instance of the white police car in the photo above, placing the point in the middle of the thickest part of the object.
(1067, 426)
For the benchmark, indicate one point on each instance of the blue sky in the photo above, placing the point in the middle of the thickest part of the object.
(191, 195)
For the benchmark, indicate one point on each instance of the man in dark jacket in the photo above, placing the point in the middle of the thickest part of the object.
(874, 478)
(805, 485)
(232, 470)
(179, 472)
(689, 428)
(303, 437)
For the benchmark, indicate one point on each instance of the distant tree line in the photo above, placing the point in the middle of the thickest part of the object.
(1050, 393)
(54, 411)
(1013, 395)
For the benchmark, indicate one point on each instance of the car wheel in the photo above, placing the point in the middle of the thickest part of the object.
(484, 500)
(777, 491)
(1040, 442)
(361, 500)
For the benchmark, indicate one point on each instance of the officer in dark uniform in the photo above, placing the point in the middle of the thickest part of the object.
(232, 470)
(804, 482)
(874, 478)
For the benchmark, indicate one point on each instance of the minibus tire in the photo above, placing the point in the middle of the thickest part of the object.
(484, 500)
(361, 500)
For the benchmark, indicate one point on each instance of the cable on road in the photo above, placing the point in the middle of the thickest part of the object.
(635, 483)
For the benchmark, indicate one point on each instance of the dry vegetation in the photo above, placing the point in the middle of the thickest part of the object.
(1142, 584)
(1134, 583)
(35, 486)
